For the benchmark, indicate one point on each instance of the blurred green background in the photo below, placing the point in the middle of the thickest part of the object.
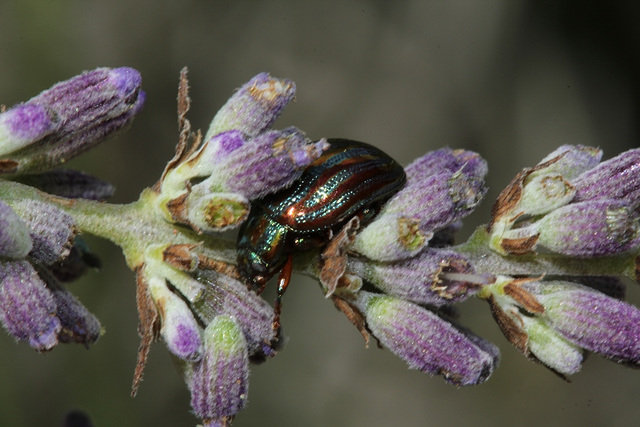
(510, 79)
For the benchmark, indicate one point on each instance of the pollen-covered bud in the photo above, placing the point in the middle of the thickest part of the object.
(591, 228)
(27, 306)
(434, 196)
(67, 119)
(254, 107)
(258, 166)
(15, 241)
(435, 276)
(425, 341)
(213, 212)
(590, 319)
(219, 382)
(70, 184)
(52, 230)
(179, 330)
(615, 179)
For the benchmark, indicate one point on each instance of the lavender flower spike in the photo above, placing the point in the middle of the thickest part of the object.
(15, 241)
(254, 107)
(69, 118)
(425, 341)
(590, 319)
(592, 228)
(219, 382)
(27, 307)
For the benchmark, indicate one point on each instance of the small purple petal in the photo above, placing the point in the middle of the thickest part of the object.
(23, 125)
(425, 341)
(27, 307)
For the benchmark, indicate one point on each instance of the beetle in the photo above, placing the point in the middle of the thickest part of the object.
(350, 178)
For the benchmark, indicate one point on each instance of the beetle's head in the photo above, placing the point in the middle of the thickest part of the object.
(254, 269)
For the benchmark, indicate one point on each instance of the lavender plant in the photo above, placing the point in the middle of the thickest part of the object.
(549, 263)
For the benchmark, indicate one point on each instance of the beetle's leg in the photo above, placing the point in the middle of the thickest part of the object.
(283, 283)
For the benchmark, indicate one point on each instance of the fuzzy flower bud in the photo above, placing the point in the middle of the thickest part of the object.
(434, 196)
(570, 160)
(255, 167)
(423, 279)
(27, 306)
(15, 241)
(180, 330)
(220, 380)
(616, 179)
(254, 315)
(67, 119)
(590, 319)
(254, 107)
(592, 228)
(78, 324)
(52, 230)
(425, 341)
(70, 184)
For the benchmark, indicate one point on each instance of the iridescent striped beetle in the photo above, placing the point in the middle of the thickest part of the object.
(350, 178)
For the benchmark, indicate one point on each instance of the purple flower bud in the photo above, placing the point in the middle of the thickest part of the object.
(591, 319)
(252, 313)
(84, 110)
(79, 325)
(25, 124)
(52, 230)
(70, 184)
(254, 107)
(27, 306)
(425, 205)
(267, 163)
(592, 228)
(219, 382)
(425, 341)
(570, 160)
(617, 178)
(446, 159)
(180, 330)
(423, 279)
(15, 241)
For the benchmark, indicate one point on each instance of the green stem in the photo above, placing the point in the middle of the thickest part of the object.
(134, 226)
(484, 260)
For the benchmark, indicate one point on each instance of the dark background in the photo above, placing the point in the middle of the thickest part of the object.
(509, 79)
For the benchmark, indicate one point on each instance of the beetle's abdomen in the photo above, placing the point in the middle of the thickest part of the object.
(348, 177)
